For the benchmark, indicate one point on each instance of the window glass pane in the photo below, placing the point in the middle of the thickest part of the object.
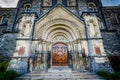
(64, 2)
(54, 2)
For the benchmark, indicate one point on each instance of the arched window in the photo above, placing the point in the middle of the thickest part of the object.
(3, 19)
(27, 6)
(92, 6)
(54, 2)
(64, 2)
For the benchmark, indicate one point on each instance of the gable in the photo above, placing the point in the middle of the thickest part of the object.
(59, 12)
(60, 16)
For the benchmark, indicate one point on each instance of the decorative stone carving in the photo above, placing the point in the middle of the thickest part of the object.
(72, 2)
(47, 3)
(60, 39)
(59, 1)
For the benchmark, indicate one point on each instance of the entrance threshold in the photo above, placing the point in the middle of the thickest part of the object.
(60, 69)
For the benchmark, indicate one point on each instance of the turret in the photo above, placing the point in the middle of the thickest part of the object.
(25, 27)
(97, 55)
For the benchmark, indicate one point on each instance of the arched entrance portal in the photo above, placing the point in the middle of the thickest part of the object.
(59, 54)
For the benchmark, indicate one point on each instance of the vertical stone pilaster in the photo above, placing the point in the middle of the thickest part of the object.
(90, 44)
(79, 46)
(96, 61)
(45, 61)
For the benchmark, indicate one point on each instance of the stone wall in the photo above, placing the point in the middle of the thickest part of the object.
(7, 44)
(20, 65)
(111, 42)
(99, 63)
(82, 6)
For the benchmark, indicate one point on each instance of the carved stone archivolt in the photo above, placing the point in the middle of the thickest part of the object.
(57, 27)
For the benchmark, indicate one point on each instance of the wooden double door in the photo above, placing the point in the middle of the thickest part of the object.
(59, 54)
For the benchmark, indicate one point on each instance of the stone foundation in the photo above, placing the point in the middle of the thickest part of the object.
(100, 64)
(20, 65)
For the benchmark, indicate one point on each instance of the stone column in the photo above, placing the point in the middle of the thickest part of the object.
(44, 46)
(40, 46)
(71, 46)
(79, 46)
(48, 46)
(37, 63)
(30, 64)
(73, 60)
(45, 60)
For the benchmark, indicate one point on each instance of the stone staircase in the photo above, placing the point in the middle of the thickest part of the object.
(60, 73)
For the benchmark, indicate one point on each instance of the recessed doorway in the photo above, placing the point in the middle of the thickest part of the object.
(59, 54)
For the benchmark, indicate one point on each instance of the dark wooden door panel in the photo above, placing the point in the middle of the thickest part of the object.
(59, 54)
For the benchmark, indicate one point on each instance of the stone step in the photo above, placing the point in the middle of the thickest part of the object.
(59, 78)
(76, 76)
(59, 69)
(60, 73)
(73, 79)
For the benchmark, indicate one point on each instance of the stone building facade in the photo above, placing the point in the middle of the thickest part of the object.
(38, 34)
(111, 35)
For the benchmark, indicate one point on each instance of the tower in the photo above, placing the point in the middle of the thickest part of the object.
(24, 25)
